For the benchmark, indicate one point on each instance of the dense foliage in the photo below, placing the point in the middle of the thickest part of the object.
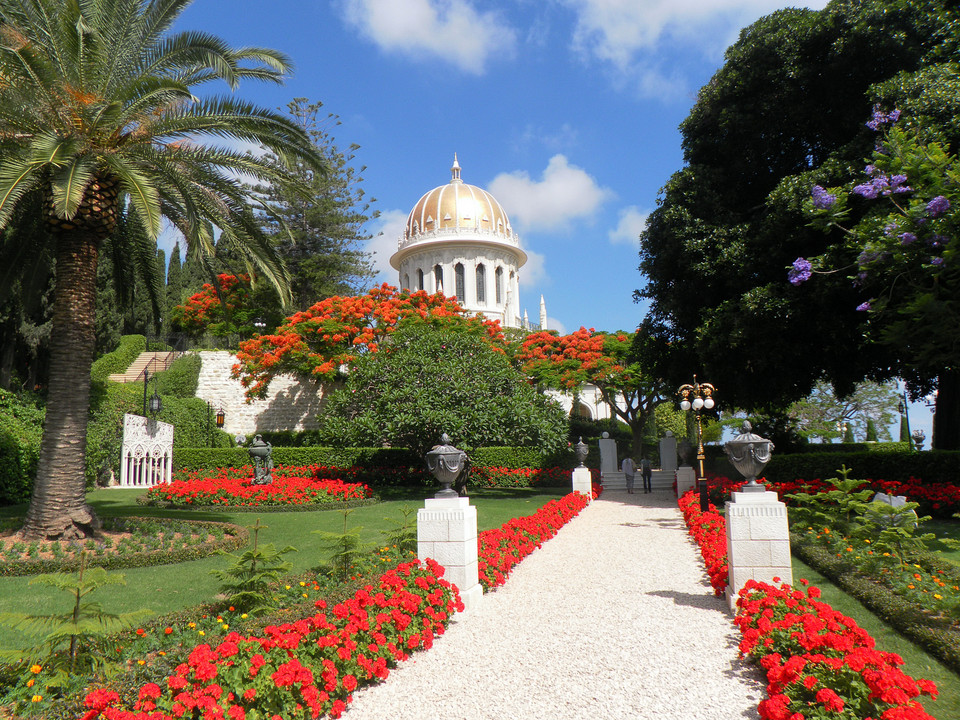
(788, 110)
(434, 381)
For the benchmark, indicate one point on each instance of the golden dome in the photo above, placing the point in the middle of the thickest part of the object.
(457, 206)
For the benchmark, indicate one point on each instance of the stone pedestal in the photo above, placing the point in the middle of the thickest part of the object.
(447, 532)
(686, 479)
(668, 452)
(582, 483)
(758, 541)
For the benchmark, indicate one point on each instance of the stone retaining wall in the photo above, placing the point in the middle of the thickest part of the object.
(290, 404)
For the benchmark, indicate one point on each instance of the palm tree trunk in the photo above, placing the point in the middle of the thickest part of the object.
(58, 507)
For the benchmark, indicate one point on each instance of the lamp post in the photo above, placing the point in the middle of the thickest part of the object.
(696, 397)
(154, 404)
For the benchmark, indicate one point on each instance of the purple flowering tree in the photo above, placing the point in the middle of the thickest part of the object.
(901, 220)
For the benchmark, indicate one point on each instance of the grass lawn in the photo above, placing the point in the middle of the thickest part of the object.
(918, 664)
(167, 588)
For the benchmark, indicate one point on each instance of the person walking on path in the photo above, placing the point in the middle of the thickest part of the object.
(647, 472)
(629, 471)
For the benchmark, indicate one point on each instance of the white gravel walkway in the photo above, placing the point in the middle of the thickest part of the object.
(612, 618)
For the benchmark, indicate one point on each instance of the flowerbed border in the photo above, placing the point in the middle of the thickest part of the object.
(316, 507)
(238, 537)
(908, 618)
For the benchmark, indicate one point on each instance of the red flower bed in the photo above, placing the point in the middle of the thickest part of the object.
(938, 499)
(501, 549)
(306, 668)
(709, 529)
(234, 487)
(819, 662)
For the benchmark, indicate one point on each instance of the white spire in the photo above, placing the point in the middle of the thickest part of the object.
(543, 314)
(526, 320)
(455, 170)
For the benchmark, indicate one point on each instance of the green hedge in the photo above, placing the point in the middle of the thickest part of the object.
(21, 427)
(120, 359)
(938, 636)
(878, 463)
(181, 378)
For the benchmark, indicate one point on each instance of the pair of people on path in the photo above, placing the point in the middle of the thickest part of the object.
(629, 470)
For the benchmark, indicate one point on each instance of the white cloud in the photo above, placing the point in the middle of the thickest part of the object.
(534, 272)
(632, 222)
(563, 193)
(554, 324)
(631, 34)
(452, 30)
(383, 244)
(614, 30)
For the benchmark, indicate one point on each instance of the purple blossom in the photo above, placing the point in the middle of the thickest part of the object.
(907, 238)
(867, 190)
(938, 241)
(821, 198)
(800, 272)
(938, 206)
(867, 257)
(890, 229)
(936, 261)
(863, 307)
(881, 118)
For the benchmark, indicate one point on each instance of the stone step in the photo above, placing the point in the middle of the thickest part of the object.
(153, 362)
(659, 480)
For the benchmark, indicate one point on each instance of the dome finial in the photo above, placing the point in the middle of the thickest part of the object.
(455, 170)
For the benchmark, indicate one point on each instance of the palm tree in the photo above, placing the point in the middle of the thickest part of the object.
(97, 115)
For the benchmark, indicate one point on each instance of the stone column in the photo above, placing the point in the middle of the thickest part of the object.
(610, 476)
(686, 479)
(758, 541)
(582, 482)
(447, 532)
(668, 452)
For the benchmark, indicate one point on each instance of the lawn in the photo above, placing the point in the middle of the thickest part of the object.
(168, 588)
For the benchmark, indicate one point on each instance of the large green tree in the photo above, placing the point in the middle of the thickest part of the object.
(320, 235)
(785, 112)
(429, 380)
(99, 113)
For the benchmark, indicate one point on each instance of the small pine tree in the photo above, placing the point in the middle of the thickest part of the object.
(246, 583)
(871, 430)
(848, 433)
(904, 429)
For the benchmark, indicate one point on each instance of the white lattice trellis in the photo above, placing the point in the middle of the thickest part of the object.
(147, 455)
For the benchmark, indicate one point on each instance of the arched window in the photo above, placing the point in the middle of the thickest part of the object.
(419, 279)
(460, 280)
(437, 279)
(406, 281)
(499, 285)
(481, 285)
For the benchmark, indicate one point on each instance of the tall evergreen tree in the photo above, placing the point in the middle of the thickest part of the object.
(174, 293)
(321, 235)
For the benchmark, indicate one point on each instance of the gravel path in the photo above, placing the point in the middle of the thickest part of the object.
(612, 618)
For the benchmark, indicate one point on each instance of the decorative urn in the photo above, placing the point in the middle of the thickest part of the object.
(581, 451)
(445, 462)
(749, 454)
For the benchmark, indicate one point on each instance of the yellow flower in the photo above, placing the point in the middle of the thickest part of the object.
(867, 542)
(244, 616)
(30, 682)
(36, 669)
(911, 586)
(302, 584)
(141, 662)
(827, 530)
(201, 632)
(225, 626)
(191, 625)
(36, 698)
(287, 587)
(938, 597)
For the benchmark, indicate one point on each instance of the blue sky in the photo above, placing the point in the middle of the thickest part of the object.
(566, 110)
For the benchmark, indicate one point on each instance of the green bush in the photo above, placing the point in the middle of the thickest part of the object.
(933, 466)
(21, 423)
(200, 458)
(181, 378)
(120, 359)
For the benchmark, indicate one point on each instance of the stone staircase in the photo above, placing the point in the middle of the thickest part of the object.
(659, 480)
(153, 362)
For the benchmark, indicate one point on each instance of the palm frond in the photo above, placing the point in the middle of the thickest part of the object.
(16, 179)
(69, 182)
(141, 191)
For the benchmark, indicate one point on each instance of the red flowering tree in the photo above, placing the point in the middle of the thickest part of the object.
(610, 361)
(326, 338)
(230, 309)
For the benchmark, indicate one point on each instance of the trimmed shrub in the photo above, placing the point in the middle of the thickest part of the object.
(181, 378)
(120, 359)
(201, 458)
(21, 427)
